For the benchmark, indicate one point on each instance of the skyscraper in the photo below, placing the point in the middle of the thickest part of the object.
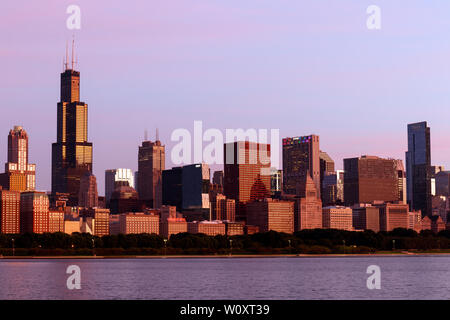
(19, 174)
(301, 156)
(418, 163)
(151, 163)
(72, 153)
(88, 196)
(246, 173)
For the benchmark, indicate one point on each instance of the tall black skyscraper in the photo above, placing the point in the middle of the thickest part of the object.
(418, 168)
(72, 153)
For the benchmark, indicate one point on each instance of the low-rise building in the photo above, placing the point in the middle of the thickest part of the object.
(337, 218)
(137, 223)
(210, 228)
(270, 214)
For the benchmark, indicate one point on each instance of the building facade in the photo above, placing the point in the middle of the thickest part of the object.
(34, 207)
(137, 223)
(337, 218)
(369, 179)
(9, 211)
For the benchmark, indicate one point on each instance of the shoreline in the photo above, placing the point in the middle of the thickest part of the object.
(237, 256)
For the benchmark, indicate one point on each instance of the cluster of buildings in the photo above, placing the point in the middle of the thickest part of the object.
(247, 196)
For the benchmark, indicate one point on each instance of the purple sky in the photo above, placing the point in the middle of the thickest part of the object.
(300, 66)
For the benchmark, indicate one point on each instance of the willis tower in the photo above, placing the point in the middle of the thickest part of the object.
(71, 153)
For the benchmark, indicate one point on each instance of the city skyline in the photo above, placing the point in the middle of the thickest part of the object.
(374, 105)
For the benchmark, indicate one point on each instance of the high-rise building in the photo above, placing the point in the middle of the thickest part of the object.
(401, 181)
(115, 178)
(172, 185)
(19, 174)
(72, 153)
(418, 168)
(88, 195)
(301, 156)
(99, 218)
(246, 173)
(443, 183)
(151, 163)
(370, 178)
(9, 211)
(271, 214)
(34, 207)
(195, 186)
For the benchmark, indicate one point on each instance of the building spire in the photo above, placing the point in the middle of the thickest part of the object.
(157, 134)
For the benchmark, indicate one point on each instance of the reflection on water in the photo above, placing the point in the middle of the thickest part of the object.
(412, 277)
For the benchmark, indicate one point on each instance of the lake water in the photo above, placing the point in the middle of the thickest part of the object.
(408, 277)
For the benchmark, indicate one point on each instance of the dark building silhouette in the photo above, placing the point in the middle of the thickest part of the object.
(301, 156)
(19, 174)
(151, 164)
(172, 184)
(369, 179)
(246, 173)
(72, 153)
(418, 168)
(218, 178)
(88, 196)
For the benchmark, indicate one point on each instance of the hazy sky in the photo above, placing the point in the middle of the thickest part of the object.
(299, 66)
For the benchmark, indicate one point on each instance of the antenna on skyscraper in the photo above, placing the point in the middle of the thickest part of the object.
(67, 55)
(73, 44)
(157, 134)
(145, 135)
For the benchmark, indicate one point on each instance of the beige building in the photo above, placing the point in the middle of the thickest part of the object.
(210, 228)
(137, 223)
(337, 218)
(55, 221)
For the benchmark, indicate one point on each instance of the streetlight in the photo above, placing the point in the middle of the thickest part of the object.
(289, 245)
(165, 247)
(93, 247)
(343, 241)
(393, 244)
(13, 247)
(231, 247)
